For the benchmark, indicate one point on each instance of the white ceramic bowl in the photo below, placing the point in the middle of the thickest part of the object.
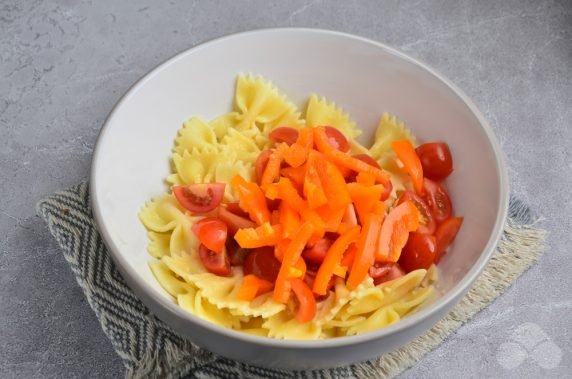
(364, 77)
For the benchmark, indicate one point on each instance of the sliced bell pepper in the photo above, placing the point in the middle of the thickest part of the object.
(306, 301)
(364, 198)
(365, 249)
(393, 236)
(295, 174)
(290, 196)
(272, 170)
(291, 256)
(264, 235)
(251, 199)
(297, 154)
(333, 259)
(411, 162)
(289, 219)
(313, 186)
(253, 286)
(343, 159)
(299, 269)
(366, 178)
(334, 185)
(331, 216)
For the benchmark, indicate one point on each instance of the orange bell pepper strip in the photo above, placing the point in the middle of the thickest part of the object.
(333, 259)
(313, 187)
(290, 196)
(331, 216)
(251, 199)
(334, 185)
(365, 249)
(264, 235)
(349, 255)
(289, 219)
(411, 162)
(306, 301)
(346, 160)
(349, 217)
(366, 178)
(291, 256)
(364, 198)
(253, 286)
(295, 174)
(272, 170)
(297, 154)
(280, 248)
(299, 269)
(395, 230)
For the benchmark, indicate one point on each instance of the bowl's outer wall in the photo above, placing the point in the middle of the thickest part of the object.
(365, 79)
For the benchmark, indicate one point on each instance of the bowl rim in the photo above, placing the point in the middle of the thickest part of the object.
(137, 284)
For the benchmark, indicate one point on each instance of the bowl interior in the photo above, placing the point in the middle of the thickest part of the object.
(365, 79)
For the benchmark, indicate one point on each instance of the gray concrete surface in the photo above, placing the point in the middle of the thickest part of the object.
(63, 64)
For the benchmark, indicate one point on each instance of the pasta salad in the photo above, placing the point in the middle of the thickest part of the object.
(285, 226)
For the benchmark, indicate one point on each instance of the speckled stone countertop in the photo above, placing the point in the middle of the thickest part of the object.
(64, 64)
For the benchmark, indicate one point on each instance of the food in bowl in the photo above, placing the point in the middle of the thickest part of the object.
(287, 227)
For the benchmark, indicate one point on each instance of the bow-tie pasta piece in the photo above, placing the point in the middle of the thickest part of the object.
(259, 102)
(284, 326)
(243, 145)
(388, 130)
(195, 133)
(222, 124)
(168, 280)
(162, 214)
(199, 165)
(322, 112)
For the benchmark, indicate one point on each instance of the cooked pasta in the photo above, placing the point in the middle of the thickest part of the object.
(228, 147)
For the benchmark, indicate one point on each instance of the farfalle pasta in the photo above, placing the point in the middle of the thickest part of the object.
(282, 225)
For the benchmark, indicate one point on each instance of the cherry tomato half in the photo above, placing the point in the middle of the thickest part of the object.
(262, 263)
(427, 224)
(311, 276)
(199, 198)
(233, 221)
(212, 233)
(337, 139)
(216, 263)
(284, 134)
(438, 200)
(445, 235)
(380, 269)
(419, 252)
(436, 160)
(260, 164)
(316, 253)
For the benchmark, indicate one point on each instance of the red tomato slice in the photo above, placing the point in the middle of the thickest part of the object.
(316, 253)
(262, 263)
(395, 271)
(436, 160)
(427, 224)
(260, 164)
(380, 269)
(445, 235)
(199, 198)
(438, 200)
(306, 301)
(211, 232)
(216, 263)
(234, 222)
(284, 134)
(337, 139)
(419, 252)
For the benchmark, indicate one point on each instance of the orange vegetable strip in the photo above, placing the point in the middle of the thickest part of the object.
(253, 286)
(365, 178)
(289, 219)
(333, 259)
(297, 154)
(306, 301)
(411, 163)
(280, 248)
(364, 198)
(291, 256)
(313, 188)
(349, 255)
(251, 199)
(272, 191)
(340, 271)
(264, 235)
(290, 196)
(365, 252)
(350, 218)
(332, 217)
(275, 217)
(272, 170)
(334, 185)
(299, 269)
(395, 231)
(295, 174)
(343, 159)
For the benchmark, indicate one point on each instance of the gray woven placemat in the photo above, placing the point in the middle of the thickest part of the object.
(149, 348)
